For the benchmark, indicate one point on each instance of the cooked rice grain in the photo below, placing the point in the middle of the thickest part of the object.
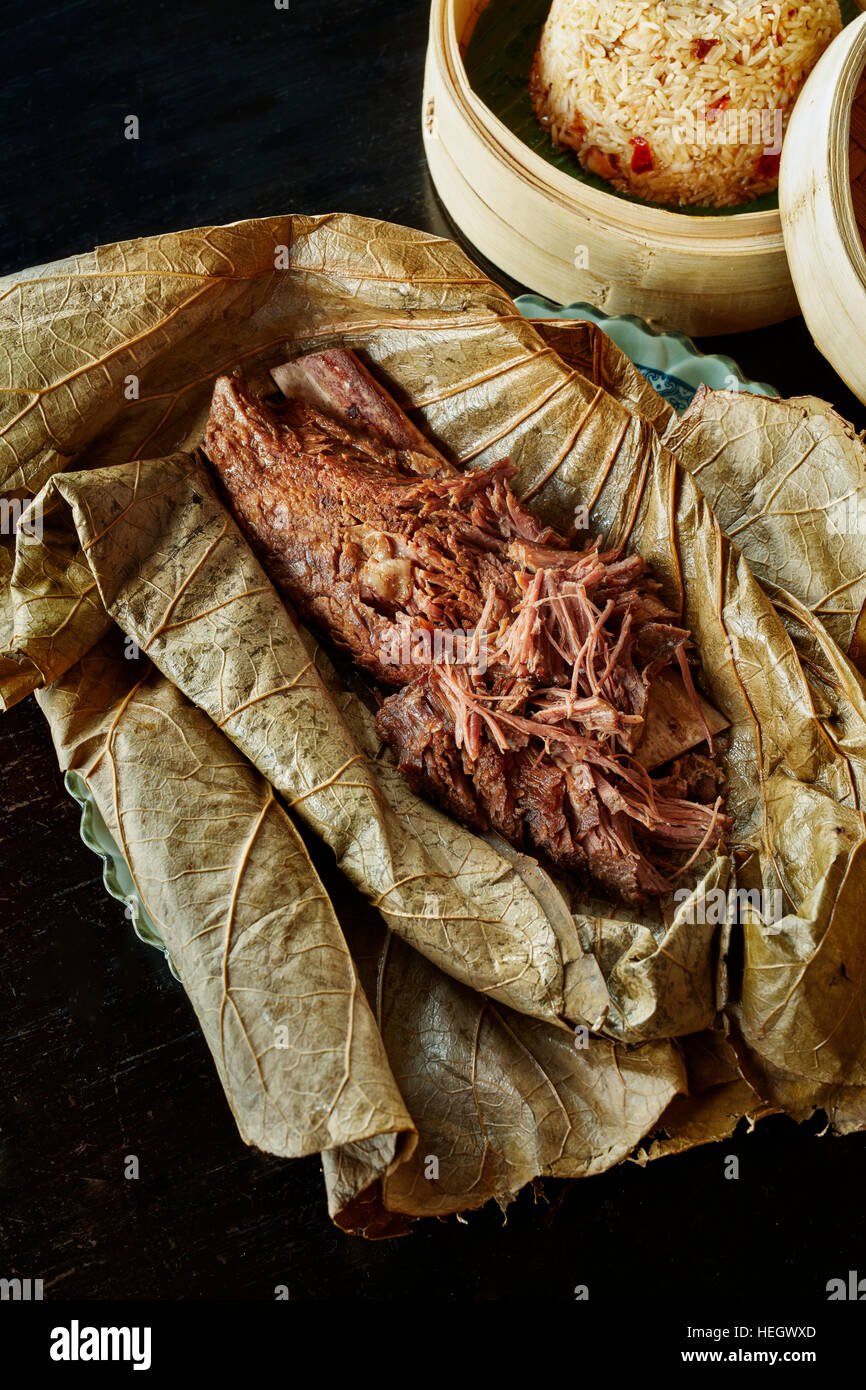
(664, 98)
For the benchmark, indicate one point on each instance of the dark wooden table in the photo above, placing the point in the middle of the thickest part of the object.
(247, 110)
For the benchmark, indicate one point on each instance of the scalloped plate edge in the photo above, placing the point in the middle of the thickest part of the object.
(115, 871)
(670, 361)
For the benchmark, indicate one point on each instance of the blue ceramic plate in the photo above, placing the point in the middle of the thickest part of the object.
(672, 364)
(115, 872)
(669, 361)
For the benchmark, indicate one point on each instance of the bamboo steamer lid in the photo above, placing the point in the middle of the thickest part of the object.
(570, 241)
(823, 203)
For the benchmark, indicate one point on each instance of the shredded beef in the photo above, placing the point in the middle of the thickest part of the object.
(428, 755)
(522, 665)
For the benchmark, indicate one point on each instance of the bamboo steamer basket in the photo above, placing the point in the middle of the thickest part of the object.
(564, 239)
(823, 201)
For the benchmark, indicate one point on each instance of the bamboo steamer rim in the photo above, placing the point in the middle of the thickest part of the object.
(839, 142)
(703, 275)
(826, 246)
(737, 232)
